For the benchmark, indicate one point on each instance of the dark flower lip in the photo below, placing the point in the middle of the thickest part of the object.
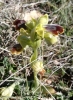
(54, 29)
(17, 21)
(19, 24)
(16, 49)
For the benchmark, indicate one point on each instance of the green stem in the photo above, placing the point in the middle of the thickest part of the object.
(34, 55)
(33, 58)
(36, 80)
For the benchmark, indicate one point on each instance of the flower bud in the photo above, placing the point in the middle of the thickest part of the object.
(38, 67)
(50, 38)
(7, 92)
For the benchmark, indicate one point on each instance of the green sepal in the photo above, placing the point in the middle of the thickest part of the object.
(31, 24)
(23, 40)
(23, 31)
(43, 20)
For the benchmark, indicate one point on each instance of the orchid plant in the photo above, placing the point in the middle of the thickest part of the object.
(32, 33)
